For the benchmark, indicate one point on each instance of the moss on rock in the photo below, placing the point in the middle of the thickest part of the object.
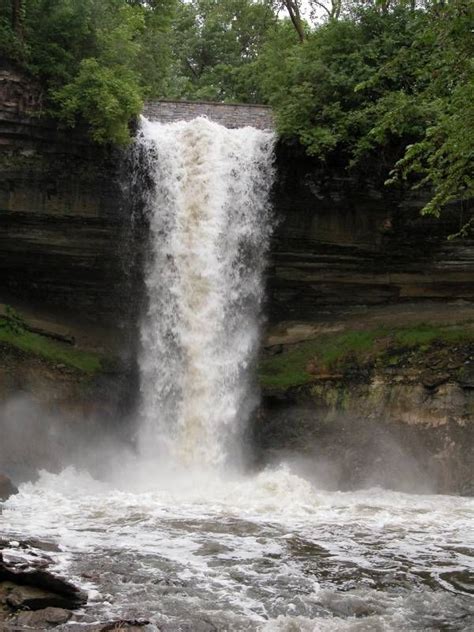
(54, 352)
(349, 354)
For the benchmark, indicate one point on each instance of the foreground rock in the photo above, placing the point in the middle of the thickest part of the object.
(31, 595)
(40, 619)
(119, 625)
(128, 625)
(7, 488)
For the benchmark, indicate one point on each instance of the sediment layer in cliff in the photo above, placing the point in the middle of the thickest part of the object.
(377, 402)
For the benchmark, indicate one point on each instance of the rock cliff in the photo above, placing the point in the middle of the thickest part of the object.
(60, 209)
(369, 356)
(66, 338)
(369, 345)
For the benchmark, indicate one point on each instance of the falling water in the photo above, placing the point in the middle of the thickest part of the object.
(209, 231)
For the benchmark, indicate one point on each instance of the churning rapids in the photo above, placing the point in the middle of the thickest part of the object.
(177, 531)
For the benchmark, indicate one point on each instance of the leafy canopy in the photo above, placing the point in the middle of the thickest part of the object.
(380, 82)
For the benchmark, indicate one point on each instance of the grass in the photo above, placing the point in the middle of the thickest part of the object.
(425, 334)
(330, 353)
(49, 350)
(289, 368)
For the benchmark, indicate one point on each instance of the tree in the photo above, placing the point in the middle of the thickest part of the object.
(215, 44)
(293, 8)
(443, 156)
(97, 59)
(17, 17)
(331, 10)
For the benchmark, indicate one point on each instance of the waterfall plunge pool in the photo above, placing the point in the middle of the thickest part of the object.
(264, 552)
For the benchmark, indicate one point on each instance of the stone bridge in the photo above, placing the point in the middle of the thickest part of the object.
(229, 115)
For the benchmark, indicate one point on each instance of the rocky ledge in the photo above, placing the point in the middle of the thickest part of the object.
(7, 488)
(373, 401)
(31, 595)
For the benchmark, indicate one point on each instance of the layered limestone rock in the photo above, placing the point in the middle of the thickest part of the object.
(60, 209)
(63, 271)
(355, 264)
(344, 242)
(374, 402)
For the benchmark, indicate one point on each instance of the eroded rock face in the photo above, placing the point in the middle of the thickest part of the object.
(350, 241)
(395, 416)
(345, 444)
(7, 488)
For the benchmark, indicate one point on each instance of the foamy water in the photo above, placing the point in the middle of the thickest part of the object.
(263, 552)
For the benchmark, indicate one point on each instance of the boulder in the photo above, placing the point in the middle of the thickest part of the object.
(32, 598)
(41, 619)
(7, 488)
(33, 586)
(128, 625)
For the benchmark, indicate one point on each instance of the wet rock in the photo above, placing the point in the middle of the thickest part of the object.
(7, 488)
(194, 626)
(32, 598)
(466, 376)
(41, 619)
(35, 586)
(40, 544)
(273, 350)
(135, 625)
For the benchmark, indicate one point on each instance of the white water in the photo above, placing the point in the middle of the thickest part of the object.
(268, 552)
(209, 229)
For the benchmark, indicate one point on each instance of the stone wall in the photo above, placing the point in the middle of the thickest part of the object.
(229, 115)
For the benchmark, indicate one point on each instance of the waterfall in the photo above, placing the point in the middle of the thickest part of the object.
(209, 217)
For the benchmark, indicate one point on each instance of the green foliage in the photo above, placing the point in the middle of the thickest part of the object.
(380, 82)
(326, 92)
(425, 334)
(386, 81)
(444, 154)
(104, 98)
(94, 57)
(31, 343)
(13, 322)
(215, 43)
(330, 353)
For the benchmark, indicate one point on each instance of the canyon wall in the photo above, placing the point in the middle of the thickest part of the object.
(368, 365)
(352, 241)
(369, 344)
(60, 208)
(65, 336)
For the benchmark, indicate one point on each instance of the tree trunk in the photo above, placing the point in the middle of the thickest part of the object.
(295, 17)
(17, 17)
